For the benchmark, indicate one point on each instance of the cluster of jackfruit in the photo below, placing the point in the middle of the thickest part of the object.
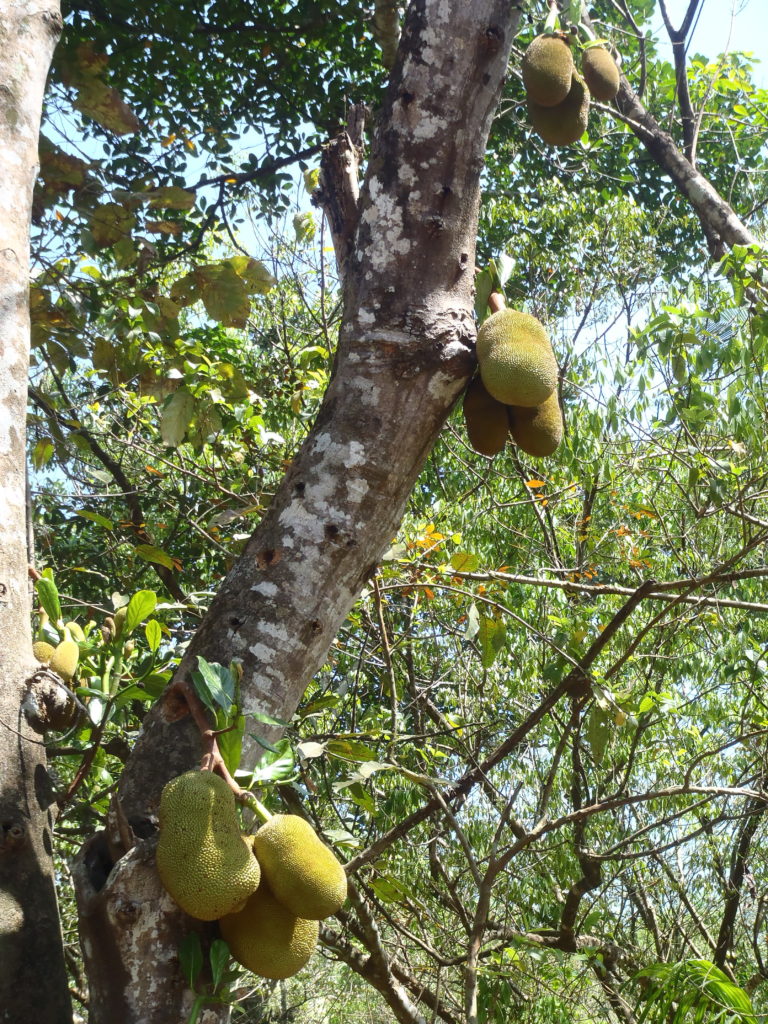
(55, 707)
(516, 390)
(268, 891)
(558, 96)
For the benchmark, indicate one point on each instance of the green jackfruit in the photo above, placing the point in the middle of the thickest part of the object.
(76, 630)
(43, 651)
(267, 938)
(485, 419)
(119, 619)
(547, 67)
(517, 364)
(64, 659)
(567, 122)
(600, 73)
(300, 869)
(537, 431)
(204, 862)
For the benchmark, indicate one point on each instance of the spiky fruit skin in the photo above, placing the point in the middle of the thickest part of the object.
(566, 123)
(267, 938)
(517, 364)
(300, 869)
(537, 431)
(43, 651)
(76, 630)
(64, 659)
(600, 73)
(547, 67)
(202, 859)
(485, 419)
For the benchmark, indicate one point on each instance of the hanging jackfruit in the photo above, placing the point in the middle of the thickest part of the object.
(300, 869)
(64, 660)
(600, 73)
(517, 364)
(485, 419)
(204, 862)
(267, 938)
(43, 651)
(567, 122)
(538, 431)
(547, 66)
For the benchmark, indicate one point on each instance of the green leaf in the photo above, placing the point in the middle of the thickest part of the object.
(154, 634)
(49, 597)
(231, 742)
(350, 750)
(176, 416)
(491, 635)
(95, 517)
(262, 716)
(214, 684)
(463, 561)
(225, 296)
(258, 279)
(170, 198)
(42, 452)
(141, 605)
(219, 958)
(191, 957)
(152, 554)
(278, 765)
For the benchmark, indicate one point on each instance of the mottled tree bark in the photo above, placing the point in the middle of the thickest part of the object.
(405, 352)
(33, 982)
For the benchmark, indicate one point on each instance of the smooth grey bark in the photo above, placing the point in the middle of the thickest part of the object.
(33, 980)
(405, 352)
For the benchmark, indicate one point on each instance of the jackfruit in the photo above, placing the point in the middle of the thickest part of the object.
(76, 630)
(300, 869)
(537, 431)
(547, 67)
(43, 651)
(517, 364)
(267, 938)
(203, 861)
(64, 659)
(600, 73)
(485, 419)
(119, 619)
(567, 122)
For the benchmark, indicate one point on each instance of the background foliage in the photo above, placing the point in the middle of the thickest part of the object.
(184, 309)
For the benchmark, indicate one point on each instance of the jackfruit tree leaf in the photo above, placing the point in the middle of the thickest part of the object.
(350, 750)
(310, 749)
(170, 198)
(262, 716)
(156, 555)
(141, 605)
(473, 622)
(110, 223)
(225, 295)
(230, 743)
(464, 561)
(258, 279)
(49, 597)
(483, 288)
(42, 452)
(95, 517)
(491, 635)
(215, 684)
(176, 416)
(219, 958)
(154, 633)
(191, 957)
(598, 732)
(278, 765)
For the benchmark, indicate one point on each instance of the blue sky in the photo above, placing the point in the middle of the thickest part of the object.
(732, 24)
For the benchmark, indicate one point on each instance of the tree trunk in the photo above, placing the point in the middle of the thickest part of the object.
(405, 352)
(33, 981)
